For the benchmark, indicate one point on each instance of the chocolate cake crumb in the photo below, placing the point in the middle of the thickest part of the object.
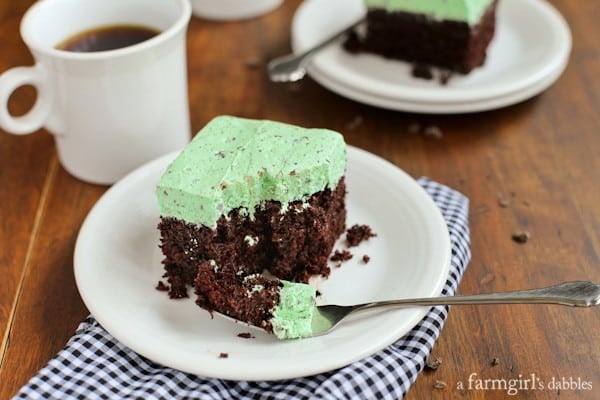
(366, 258)
(246, 335)
(161, 286)
(422, 71)
(433, 131)
(520, 236)
(223, 355)
(445, 76)
(341, 255)
(495, 361)
(433, 364)
(357, 234)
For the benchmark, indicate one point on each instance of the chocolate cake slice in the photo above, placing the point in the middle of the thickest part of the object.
(451, 34)
(280, 307)
(252, 195)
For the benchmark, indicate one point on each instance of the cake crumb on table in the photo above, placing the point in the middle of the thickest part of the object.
(521, 236)
(223, 355)
(366, 258)
(433, 364)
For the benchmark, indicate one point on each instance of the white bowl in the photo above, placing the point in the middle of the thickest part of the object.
(222, 10)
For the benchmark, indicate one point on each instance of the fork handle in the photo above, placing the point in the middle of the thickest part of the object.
(577, 293)
(305, 54)
(293, 65)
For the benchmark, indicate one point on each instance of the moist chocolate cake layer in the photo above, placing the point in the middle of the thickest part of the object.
(292, 245)
(246, 298)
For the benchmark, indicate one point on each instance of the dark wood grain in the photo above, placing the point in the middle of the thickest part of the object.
(532, 166)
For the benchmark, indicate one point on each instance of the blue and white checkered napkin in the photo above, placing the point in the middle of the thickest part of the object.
(95, 365)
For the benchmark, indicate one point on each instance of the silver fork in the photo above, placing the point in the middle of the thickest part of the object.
(292, 67)
(578, 294)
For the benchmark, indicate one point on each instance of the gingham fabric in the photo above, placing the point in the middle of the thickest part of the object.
(94, 365)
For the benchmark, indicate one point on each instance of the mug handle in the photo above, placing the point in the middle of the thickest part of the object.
(35, 118)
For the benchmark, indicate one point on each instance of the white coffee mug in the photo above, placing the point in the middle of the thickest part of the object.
(222, 10)
(110, 111)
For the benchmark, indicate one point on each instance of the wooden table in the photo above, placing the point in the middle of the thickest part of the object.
(533, 166)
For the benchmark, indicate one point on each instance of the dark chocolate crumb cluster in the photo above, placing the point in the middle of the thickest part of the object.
(433, 364)
(341, 255)
(162, 287)
(520, 236)
(357, 233)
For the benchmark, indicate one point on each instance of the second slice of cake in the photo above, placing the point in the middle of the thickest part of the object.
(252, 195)
(451, 34)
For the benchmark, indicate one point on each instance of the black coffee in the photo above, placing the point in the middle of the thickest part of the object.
(107, 38)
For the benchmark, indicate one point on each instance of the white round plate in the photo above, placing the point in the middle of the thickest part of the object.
(529, 52)
(117, 266)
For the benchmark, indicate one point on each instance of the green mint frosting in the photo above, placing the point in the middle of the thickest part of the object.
(240, 163)
(293, 315)
(469, 11)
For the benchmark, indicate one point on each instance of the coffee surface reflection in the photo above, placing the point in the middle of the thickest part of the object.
(107, 38)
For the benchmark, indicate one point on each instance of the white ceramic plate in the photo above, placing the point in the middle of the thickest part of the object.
(117, 266)
(528, 53)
